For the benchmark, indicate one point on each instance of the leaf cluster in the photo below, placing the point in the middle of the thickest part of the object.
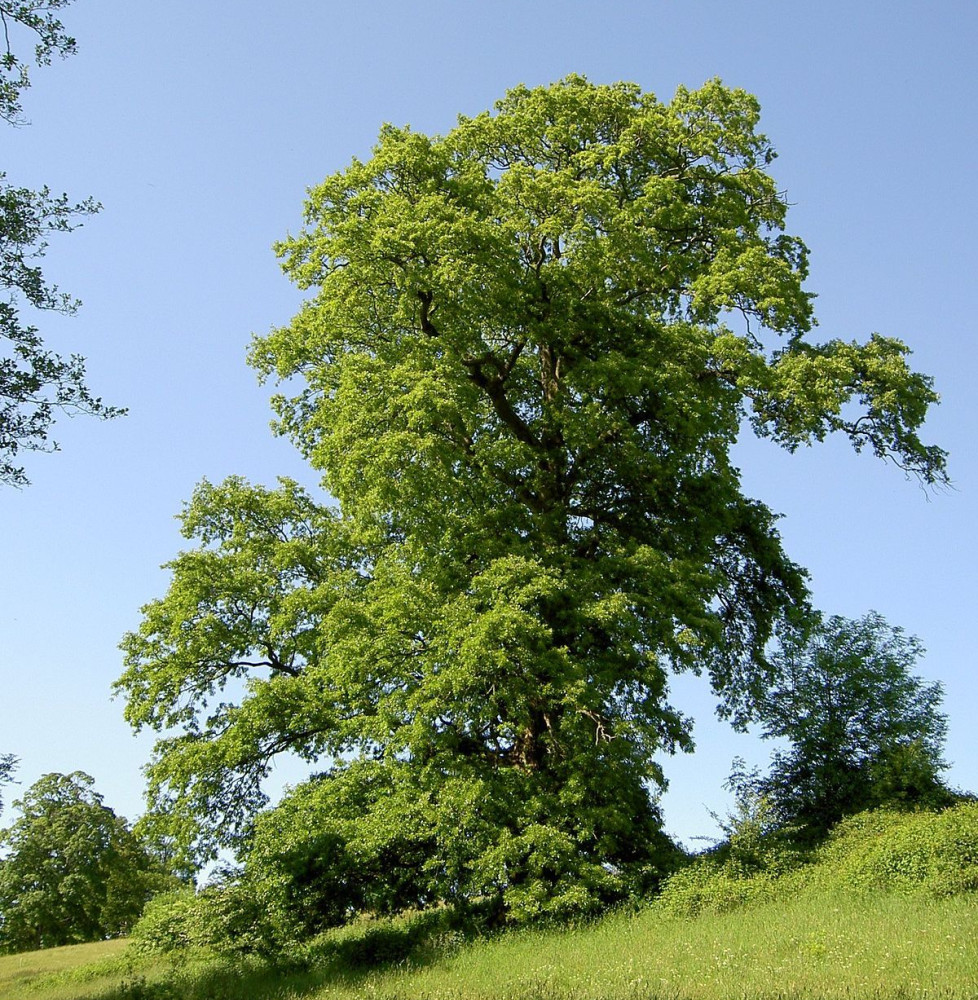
(37, 17)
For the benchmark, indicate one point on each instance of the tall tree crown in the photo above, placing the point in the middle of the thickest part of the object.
(529, 348)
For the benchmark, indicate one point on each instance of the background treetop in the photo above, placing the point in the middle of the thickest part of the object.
(35, 382)
(72, 870)
(859, 728)
(36, 17)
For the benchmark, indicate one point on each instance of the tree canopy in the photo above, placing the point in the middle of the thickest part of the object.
(861, 729)
(72, 871)
(36, 17)
(35, 382)
(529, 347)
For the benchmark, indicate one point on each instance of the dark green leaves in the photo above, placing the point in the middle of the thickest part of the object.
(861, 729)
(72, 870)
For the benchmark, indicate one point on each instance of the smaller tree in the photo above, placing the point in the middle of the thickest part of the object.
(73, 871)
(862, 730)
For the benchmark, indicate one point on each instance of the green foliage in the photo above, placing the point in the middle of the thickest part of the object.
(710, 886)
(224, 916)
(72, 870)
(186, 923)
(745, 868)
(169, 922)
(518, 377)
(371, 943)
(931, 853)
(907, 775)
(35, 16)
(34, 381)
(361, 840)
(365, 841)
(862, 730)
(755, 842)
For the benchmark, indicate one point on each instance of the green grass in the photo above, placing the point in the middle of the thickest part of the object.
(828, 947)
(24, 974)
(818, 947)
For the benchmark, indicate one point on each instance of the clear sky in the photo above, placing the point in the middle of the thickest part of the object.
(200, 125)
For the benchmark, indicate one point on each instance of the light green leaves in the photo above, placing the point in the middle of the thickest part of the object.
(529, 347)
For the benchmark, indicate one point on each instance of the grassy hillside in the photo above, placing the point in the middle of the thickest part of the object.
(21, 975)
(885, 910)
(883, 946)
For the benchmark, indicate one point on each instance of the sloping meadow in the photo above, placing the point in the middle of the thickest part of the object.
(885, 908)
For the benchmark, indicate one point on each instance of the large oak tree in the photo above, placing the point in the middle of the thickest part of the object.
(530, 346)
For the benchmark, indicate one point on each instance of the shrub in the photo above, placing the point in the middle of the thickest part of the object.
(369, 941)
(169, 923)
(712, 886)
(931, 852)
(934, 853)
(225, 917)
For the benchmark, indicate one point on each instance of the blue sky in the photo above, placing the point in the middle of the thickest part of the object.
(199, 126)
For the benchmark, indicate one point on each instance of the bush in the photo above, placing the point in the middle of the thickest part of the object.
(226, 917)
(169, 923)
(934, 853)
(931, 852)
(712, 886)
(369, 941)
